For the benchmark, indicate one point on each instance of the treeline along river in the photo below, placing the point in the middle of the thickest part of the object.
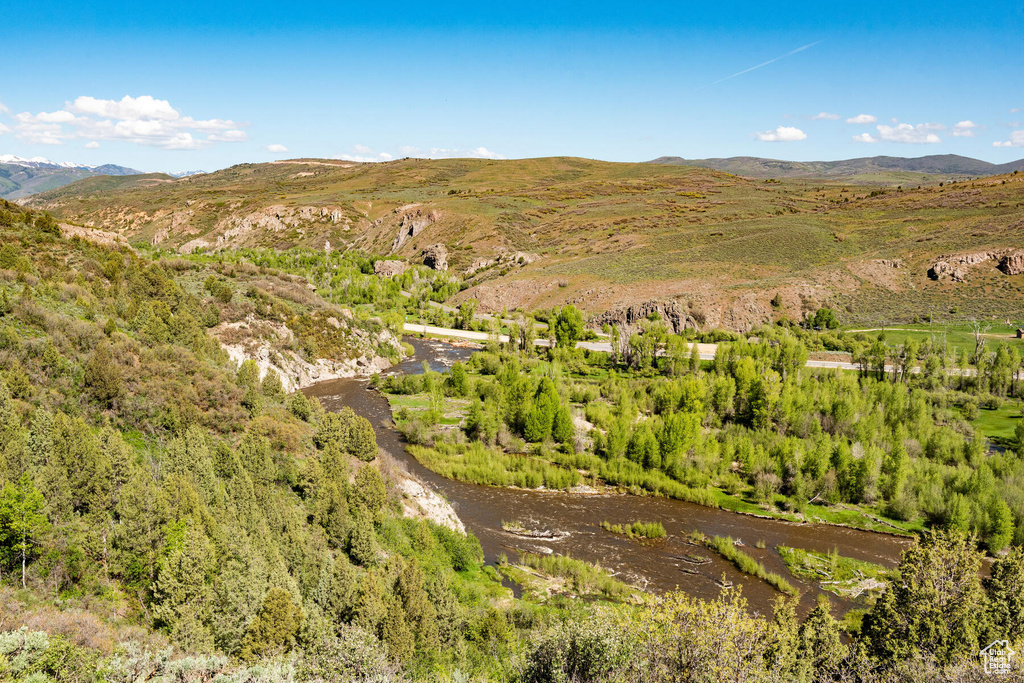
(575, 519)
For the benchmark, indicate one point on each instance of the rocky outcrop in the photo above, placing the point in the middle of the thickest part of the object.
(1012, 263)
(388, 268)
(890, 262)
(676, 317)
(103, 237)
(413, 221)
(421, 502)
(436, 256)
(955, 266)
(504, 257)
(268, 345)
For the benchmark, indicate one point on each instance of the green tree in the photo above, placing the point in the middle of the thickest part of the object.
(181, 593)
(248, 374)
(562, 429)
(271, 386)
(1005, 588)
(457, 382)
(933, 607)
(103, 376)
(395, 632)
(299, 406)
(274, 629)
(22, 522)
(362, 544)
(370, 492)
(568, 326)
(820, 641)
(999, 530)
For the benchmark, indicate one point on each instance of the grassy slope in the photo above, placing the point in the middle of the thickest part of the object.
(609, 233)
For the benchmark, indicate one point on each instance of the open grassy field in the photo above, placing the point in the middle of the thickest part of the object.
(602, 235)
(999, 424)
(958, 335)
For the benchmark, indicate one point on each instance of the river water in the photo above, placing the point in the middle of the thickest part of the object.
(651, 565)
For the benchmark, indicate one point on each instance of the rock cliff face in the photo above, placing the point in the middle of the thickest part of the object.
(388, 268)
(412, 222)
(955, 266)
(295, 372)
(436, 256)
(672, 313)
(234, 230)
(1012, 263)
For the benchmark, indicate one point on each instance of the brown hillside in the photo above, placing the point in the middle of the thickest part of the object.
(606, 234)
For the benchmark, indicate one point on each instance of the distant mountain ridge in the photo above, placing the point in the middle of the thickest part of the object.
(935, 164)
(20, 177)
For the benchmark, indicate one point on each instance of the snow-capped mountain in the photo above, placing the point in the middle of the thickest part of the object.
(21, 177)
(39, 162)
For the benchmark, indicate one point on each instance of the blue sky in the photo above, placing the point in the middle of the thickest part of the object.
(181, 86)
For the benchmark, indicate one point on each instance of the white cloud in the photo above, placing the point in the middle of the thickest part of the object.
(92, 145)
(781, 134)
(864, 137)
(4, 109)
(1012, 111)
(365, 155)
(55, 117)
(32, 130)
(922, 133)
(1016, 140)
(484, 153)
(448, 153)
(825, 116)
(142, 120)
(128, 108)
(863, 119)
(964, 129)
(229, 136)
(276, 149)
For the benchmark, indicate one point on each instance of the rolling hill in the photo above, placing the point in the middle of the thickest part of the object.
(880, 169)
(543, 232)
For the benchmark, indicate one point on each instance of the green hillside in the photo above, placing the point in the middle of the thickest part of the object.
(541, 232)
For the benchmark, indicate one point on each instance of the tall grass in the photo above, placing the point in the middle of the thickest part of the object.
(584, 576)
(726, 547)
(641, 529)
(476, 463)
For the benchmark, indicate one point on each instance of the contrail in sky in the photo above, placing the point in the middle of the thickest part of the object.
(770, 61)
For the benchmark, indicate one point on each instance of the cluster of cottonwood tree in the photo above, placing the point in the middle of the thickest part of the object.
(756, 422)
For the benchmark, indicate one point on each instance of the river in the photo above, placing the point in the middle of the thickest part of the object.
(652, 565)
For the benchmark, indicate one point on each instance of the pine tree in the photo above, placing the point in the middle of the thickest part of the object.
(362, 545)
(933, 608)
(395, 632)
(562, 429)
(274, 629)
(1005, 589)
(820, 641)
(103, 376)
(271, 386)
(370, 492)
(248, 374)
(370, 608)
(298, 405)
